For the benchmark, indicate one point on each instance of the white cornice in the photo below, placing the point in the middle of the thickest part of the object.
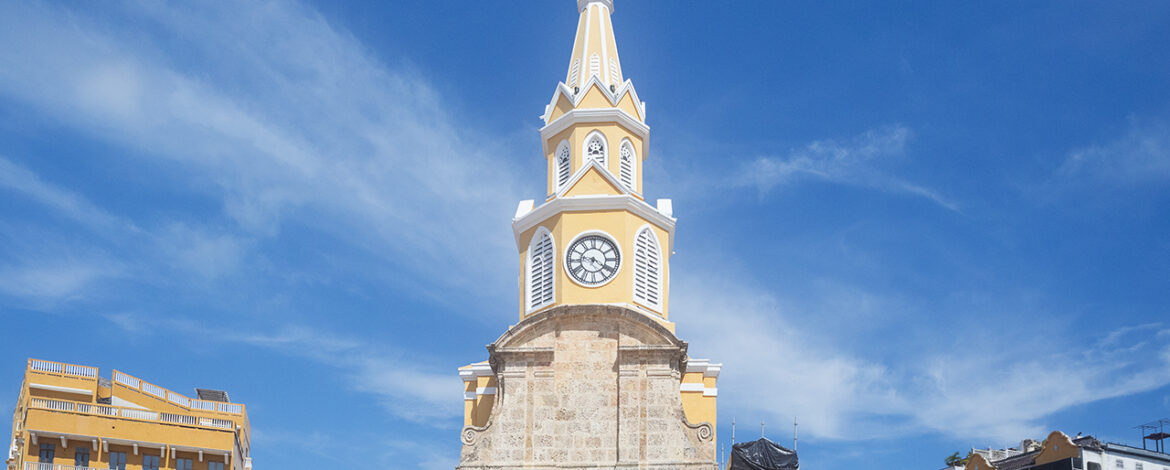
(474, 371)
(597, 115)
(595, 203)
(705, 366)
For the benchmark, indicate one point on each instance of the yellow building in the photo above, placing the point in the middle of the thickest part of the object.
(69, 418)
(594, 286)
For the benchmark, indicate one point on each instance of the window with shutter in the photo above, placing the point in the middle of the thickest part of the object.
(540, 270)
(595, 148)
(628, 164)
(615, 75)
(595, 65)
(563, 164)
(647, 269)
(573, 71)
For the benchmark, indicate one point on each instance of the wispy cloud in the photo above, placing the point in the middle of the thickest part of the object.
(406, 389)
(986, 386)
(1142, 155)
(308, 130)
(855, 161)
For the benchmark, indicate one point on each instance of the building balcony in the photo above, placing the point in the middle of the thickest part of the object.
(55, 466)
(128, 413)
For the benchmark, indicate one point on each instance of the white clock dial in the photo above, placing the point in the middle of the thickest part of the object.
(593, 260)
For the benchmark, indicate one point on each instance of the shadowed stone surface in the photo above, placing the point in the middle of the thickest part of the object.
(584, 387)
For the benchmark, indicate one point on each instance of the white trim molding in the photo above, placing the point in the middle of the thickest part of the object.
(688, 387)
(482, 369)
(57, 388)
(705, 366)
(614, 97)
(585, 169)
(594, 203)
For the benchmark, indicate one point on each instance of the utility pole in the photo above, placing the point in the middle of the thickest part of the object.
(733, 430)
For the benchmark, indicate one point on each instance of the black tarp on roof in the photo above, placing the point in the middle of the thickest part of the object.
(762, 454)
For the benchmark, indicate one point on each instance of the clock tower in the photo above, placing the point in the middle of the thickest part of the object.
(593, 375)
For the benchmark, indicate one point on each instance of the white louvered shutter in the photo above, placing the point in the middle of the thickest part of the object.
(627, 165)
(595, 149)
(615, 75)
(573, 72)
(595, 65)
(564, 164)
(647, 269)
(540, 271)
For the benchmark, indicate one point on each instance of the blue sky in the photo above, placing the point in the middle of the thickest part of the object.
(917, 226)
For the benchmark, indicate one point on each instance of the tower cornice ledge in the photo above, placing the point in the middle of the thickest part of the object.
(611, 313)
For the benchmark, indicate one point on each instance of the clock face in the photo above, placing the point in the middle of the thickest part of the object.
(593, 260)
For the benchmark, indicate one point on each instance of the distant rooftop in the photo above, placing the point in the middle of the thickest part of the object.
(212, 395)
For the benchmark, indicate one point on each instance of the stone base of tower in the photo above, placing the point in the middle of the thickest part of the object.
(588, 386)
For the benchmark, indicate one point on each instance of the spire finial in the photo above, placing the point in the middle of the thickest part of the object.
(581, 4)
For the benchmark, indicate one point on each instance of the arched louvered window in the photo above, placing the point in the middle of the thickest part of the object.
(595, 65)
(573, 71)
(628, 165)
(596, 149)
(540, 265)
(564, 164)
(647, 269)
(615, 74)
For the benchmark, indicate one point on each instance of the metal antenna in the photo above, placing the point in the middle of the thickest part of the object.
(761, 429)
(794, 433)
(733, 430)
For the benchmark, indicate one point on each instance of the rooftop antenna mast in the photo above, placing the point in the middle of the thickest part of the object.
(761, 429)
(733, 431)
(794, 428)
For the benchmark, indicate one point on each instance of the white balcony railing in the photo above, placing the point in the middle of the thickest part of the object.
(116, 411)
(62, 368)
(176, 398)
(50, 466)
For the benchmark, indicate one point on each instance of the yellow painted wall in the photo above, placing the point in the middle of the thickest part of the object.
(623, 227)
(83, 416)
(1057, 446)
(592, 183)
(614, 134)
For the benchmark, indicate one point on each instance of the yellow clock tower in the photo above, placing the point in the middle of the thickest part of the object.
(593, 375)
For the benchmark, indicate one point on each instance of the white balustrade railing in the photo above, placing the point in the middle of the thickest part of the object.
(215, 423)
(49, 466)
(139, 414)
(203, 405)
(127, 380)
(178, 399)
(230, 408)
(52, 404)
(61, 368)
(180, 419)
(154, 390)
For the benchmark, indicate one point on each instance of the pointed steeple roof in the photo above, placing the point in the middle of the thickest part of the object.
(595, 49)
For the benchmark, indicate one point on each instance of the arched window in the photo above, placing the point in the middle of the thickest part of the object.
(573, 72)
(539, 270)
(647, 269)
(596, 149)
(564, 164)
(629, 165)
